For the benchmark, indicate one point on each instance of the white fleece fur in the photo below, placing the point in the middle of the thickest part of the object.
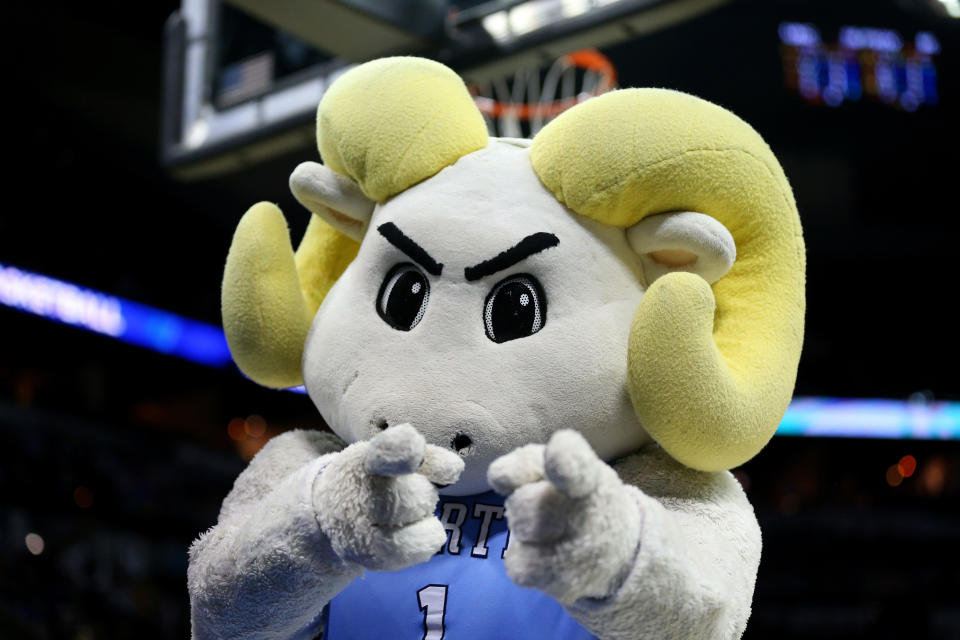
(652, 551)
(374, 506)
(575, 530)
(646, 549)
(266, 569)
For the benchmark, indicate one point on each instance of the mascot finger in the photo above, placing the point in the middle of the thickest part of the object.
(441, 466)
(537, 513)
(517, 468)
(396, 451)
(571, 465)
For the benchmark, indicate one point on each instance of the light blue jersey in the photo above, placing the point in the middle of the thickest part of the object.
(462, 593)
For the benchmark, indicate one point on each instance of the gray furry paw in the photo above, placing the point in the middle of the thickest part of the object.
(375, 501)
(574, 525)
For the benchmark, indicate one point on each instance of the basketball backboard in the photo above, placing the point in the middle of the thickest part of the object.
(242, 79)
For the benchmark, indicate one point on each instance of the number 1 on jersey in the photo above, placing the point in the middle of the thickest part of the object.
(433, 602)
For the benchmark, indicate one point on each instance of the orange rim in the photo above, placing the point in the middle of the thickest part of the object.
(588, 59)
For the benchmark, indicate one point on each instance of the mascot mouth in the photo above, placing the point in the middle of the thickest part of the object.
(461, 443)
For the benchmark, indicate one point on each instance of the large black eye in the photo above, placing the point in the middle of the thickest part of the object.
(515, 308)
(403, 297)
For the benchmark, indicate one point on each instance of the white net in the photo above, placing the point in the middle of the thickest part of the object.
(518, 106)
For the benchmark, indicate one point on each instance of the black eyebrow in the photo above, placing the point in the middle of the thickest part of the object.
(524, 249)
(400, 240)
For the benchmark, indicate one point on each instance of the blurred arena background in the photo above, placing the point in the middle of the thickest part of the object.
(141, 132)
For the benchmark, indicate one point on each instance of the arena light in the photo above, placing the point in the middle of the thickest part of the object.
(205, 344)
(952, 7)
(871, 418)
(526, 17)
(108, 315)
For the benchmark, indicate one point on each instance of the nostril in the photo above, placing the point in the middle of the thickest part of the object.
(461, 442)
(381, 424)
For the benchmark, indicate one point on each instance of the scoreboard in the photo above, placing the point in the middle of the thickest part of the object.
(862, 63)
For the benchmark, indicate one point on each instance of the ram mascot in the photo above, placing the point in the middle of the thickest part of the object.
(539, 359)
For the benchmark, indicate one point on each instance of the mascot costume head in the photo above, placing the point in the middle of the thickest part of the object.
(643, 255)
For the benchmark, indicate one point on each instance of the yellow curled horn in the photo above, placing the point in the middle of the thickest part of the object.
(387, 124)
(393, 122)
(711, 371)
(270, 295)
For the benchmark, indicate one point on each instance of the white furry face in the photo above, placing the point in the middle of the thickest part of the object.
(480, 383)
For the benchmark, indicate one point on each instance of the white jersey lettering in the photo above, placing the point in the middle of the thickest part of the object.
(488, 513)
(453, 524)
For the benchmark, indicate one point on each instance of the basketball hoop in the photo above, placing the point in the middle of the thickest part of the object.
(521, 106)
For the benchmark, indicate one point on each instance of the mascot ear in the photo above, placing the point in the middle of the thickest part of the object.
(336, 198)
(683, 241)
